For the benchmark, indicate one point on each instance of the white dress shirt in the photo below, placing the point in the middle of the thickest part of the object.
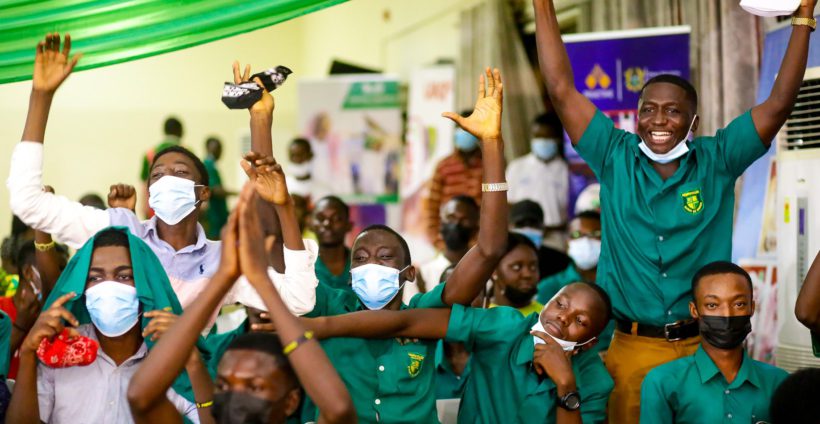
(544, 183)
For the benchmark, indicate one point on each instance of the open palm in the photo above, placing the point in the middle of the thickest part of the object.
(52, 65)
(485, 121)
(267, 176)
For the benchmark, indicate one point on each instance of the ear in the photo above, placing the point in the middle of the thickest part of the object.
(695, 123)
(586, 347)
(204, 194)
(292, 400)
(754, 307)
(410, 273)
(693, 310)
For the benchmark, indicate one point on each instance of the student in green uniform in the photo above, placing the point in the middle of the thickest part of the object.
(795, 401)
(720, 382)
(330, 221)
(668, 202)
(217, 213)
(524, 369)
(258, 377)
(516, 276)
(807, 308)
(392, 381)
(584, 249)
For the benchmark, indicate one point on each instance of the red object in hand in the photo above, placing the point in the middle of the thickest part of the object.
(66, 351)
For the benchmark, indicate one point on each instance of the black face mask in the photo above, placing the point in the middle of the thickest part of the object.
(519, 297)
(240, 408)
(456, 237)
(725, 332)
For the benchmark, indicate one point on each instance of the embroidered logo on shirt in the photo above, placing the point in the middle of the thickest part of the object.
(201, 269)
(692, 201)
(415, 364)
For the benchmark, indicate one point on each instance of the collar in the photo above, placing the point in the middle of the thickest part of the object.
(87, 330)
(708, 370)
(201, 239)
(646, 164)
(441, 361)
(526, 346)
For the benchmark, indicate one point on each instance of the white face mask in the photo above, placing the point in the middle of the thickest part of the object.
(566, 345)
(172, 198)
(113, 307)
(301, 170)
(585, 252)
(679, 150)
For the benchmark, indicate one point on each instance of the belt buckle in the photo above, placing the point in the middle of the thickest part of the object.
(667, 329)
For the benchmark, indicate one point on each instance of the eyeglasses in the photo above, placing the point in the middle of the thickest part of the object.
(577, 234)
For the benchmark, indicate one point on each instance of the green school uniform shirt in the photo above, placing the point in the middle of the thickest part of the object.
(503, 387)
(390, 381)
(5, 345)
(692, 390)
(217, 213)
(341, 281)
(448, 384)
(657, 233)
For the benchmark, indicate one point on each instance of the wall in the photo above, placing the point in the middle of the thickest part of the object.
(103, 120)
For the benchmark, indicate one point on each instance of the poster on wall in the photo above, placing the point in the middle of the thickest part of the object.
(429, 139)
(610, 68)
(354, 127)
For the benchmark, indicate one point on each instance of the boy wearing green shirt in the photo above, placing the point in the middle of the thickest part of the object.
(330, 221)
(720, 382)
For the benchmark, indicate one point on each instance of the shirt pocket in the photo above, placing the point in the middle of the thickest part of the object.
(691, 203)
(408, 368)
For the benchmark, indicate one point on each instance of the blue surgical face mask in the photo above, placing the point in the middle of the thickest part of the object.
(113, 307)
(536, 235)
(465, 141)
(172, 198)
(376, 285)
(544, 148)
(679, 150)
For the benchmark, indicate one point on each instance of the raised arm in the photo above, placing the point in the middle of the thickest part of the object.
(261, 114)
(807, 308)
(147, 389)
(314, 370)
(476, 267)
(575, 110)
(770, 115)
(410, 323)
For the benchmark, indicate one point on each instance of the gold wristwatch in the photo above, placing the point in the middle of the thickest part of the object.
(809, 22)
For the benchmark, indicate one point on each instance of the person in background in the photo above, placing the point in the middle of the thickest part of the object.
(668, 197)
(93, 200)
(543, 176)
(24, 307)
(584, 250)
(459, 226)
(720, 382)
(807, 307)
(457, 174)
(172, 129)
(515, 278)
(300, 173)
(330, 221)
(589, 199)
(217, 213)
(795, 401)
(527, 219)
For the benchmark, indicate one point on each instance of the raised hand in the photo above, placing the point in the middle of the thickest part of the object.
(161, 321)
(49, 324)
(252, 256)
(122, 196)
(485, 121)
(52, 65)
(265, 105)
(267, 176)
(229, 262)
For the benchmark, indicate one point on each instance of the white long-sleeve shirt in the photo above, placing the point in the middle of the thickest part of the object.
(189, 269)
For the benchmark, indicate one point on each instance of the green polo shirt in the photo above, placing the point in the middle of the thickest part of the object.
(341, 281)
(657, 233)
(5, 344)
(448, 384)
(692, 390)
(390, 381)
(503, 387)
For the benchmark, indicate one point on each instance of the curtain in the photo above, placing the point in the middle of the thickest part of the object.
(489, 37)
(115, 31)
(724, 52)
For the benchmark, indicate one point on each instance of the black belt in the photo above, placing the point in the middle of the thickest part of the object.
(678, 330)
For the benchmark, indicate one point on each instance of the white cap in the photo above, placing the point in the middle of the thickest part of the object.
(589, 199)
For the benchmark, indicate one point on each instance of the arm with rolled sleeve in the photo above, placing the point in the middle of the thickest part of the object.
(297, 286)
(654, 407)
(67, 221)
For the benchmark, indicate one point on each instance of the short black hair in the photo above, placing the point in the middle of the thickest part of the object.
(212, 139)
(466, 200)
(549, 119)
(720, 267)
(8, 249)
(590, 215)
(18, 226)
(25, 255)
(200, 167)
(515, 239)
(335, 200)
(404, 247)
(268, 344)
(302, 142)
(94, 200)
(111, 237)
(687, 86)
(172, 126)
(604, 297)
(795, 400)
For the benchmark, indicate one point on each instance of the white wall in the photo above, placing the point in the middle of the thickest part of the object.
(103, 120)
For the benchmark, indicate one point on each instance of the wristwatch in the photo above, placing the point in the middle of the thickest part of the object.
(570, 401)
(809, 22)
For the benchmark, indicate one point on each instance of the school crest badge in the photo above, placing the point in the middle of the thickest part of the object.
(692, 201)
(416, 362)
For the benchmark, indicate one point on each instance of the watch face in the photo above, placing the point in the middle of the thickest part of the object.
(573, 402)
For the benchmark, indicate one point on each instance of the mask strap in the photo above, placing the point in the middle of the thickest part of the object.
(577, 345)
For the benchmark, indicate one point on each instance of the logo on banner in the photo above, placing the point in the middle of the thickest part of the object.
(598, 84)
(634, 79)
(692, 201)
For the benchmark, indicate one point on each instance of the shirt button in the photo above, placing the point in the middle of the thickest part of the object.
(729, 416)
(727, 391)
(664, 275)
(378, 402)
(660, 238)
(668, 312)
(381, 367)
